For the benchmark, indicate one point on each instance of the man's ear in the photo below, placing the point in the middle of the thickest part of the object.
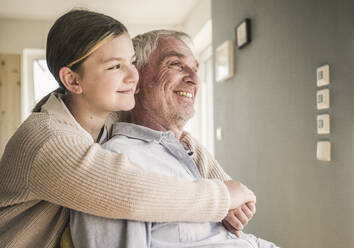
(138, 86)
(137, 89)
(70, 80)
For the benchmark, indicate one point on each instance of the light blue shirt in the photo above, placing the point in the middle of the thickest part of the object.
(161, 153)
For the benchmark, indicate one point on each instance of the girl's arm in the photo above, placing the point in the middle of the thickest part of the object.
(73, 172)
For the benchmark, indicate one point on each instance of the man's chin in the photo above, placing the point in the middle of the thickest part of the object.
(187, 114)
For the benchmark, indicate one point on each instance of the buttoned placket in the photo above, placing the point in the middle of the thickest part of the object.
(168, 140)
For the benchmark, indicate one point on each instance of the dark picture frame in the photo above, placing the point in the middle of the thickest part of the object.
(243, 33)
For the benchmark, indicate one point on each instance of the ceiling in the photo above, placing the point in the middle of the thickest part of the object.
(147, 12)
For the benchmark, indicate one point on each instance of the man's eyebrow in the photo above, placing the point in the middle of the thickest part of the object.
(172, 54)
(116, 59)
(176, 54)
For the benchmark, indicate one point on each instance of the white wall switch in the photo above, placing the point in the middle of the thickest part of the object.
(323, 151)
(219, 134)
(323, 124)
(322, 99)
(322, 75)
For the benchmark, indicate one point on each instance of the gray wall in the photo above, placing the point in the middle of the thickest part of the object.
(268, 115)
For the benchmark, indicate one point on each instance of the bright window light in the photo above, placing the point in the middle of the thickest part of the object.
(44, 82)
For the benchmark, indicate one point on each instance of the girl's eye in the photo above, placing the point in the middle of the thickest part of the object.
(114, 67)
(134, 63)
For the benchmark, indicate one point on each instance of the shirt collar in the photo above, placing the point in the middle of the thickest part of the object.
(139, 132)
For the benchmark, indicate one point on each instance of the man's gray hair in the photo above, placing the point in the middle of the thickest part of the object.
(145, 44)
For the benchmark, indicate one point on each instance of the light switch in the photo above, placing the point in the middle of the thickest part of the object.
(323, 151)
(322, 99)
(219, 134)
(323, 124)
(322, 75)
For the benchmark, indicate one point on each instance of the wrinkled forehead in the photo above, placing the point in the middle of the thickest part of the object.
(172, 46)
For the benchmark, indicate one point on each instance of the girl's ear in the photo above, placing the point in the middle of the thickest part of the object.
(70, 80)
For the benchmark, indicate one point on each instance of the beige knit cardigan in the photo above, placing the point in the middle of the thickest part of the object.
(51, 163)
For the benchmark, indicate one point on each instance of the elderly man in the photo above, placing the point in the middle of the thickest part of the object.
(154, 139)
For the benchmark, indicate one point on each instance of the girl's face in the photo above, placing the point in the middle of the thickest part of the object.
(108, 77)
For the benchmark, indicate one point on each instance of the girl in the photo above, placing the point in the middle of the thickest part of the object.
(54, 162)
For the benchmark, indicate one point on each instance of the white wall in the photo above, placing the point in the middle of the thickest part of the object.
(199, 16)
(135, 29)
(17, 34)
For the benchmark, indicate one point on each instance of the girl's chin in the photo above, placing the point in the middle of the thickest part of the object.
(126, 108)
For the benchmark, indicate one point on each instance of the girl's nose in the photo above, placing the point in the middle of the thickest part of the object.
(132, 75)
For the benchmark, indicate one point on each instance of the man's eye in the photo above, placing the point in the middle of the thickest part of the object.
(115, 67)
(176, 65)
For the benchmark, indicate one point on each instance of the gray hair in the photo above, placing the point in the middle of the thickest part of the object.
(145, 44)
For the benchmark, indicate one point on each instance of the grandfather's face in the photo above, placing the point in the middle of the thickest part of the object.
(169, 82)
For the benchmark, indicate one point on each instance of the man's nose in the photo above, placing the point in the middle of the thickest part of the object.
(192, 76)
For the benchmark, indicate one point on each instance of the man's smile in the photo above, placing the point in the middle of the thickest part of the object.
(184, 93)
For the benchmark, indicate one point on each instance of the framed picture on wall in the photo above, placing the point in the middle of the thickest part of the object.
(224, 61)
(243, 33)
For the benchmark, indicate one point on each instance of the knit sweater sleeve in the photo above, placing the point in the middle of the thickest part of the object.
(206, 163)
(73, 172)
